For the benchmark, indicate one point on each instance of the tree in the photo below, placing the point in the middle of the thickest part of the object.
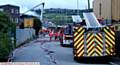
(6, 28)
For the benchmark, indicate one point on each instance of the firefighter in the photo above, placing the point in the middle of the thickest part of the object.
(50, 35)
(56, 35)
(61, 36)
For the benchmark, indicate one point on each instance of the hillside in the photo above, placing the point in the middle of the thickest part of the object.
(61, 16)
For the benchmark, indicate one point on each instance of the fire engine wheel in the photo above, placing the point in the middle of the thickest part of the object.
(66, 45)
(93, 60)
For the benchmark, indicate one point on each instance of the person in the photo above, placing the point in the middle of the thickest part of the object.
(50, 35)
(56, 35)
(61, 36)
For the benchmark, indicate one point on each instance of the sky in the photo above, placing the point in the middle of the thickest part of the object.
(28, 4)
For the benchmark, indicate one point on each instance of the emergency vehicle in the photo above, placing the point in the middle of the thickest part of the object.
(68, 36)
(68, 31)
(93, 40)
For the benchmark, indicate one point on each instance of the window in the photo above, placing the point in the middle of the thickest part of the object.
(12, 10)
(17, 11)
(1, 9)
(16, 20)
(11, 19)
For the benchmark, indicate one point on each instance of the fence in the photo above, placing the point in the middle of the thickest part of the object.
(23, 35)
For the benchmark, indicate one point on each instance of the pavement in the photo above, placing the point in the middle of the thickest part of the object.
(46, 52)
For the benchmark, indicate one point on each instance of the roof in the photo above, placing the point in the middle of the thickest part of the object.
(9, 5)
(26, 16)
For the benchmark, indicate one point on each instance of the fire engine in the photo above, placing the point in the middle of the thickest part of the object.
(68, 36)
(93, 40)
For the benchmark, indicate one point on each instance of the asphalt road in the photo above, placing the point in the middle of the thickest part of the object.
(46, 52)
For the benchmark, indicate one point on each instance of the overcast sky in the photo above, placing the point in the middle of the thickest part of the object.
(27, 4)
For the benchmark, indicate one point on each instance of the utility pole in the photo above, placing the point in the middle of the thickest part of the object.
(88, 4)
(78, 7)
(42, 11)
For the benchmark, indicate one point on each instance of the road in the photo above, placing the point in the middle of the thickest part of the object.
(46, 52)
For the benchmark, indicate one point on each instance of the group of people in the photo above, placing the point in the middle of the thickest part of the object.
(57, 35)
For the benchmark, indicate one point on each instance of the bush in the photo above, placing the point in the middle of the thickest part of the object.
(5, 47)
(7, 30)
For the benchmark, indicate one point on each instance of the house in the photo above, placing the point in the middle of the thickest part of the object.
(27, 20)
(12, 11)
